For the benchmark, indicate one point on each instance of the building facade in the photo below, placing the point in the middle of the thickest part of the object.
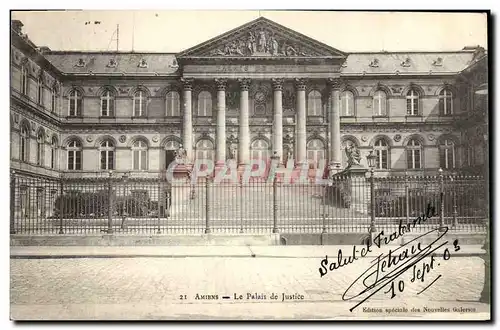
(256, 91)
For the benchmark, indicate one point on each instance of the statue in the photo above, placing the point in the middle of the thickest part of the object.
(289, 154)
(353, 155)
(180, 155)
(262, 44)
(232, 152)
(274, 47)
(251, 45)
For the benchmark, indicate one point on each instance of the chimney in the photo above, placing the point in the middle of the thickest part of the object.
(44, 49)
(17, 26)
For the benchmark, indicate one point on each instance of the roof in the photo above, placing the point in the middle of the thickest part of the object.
(113, 63)
(282, 35)
(407, 63)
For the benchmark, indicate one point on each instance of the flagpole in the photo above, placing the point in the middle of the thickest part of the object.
(117, 36)
(133, 29)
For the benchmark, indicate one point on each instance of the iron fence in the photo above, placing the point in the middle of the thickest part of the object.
(89, 206)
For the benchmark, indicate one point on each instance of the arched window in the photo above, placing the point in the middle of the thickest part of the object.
(379, 103)
(40, 145)
(140, 103)
(74, 103)
(446, 102)
(107, 151)
(25, 143)
(412, 102)
(53, 153)
(24, 79)
(382, 153)
(315, 152)
(314, 104)
(348, 142)
(414, 154)
(107, 104)
(204, 149)
(260, 149)
(74, 155)
(140, 155)
(53, 99)
(447, 154)
(347, 104)
(204, 104)
(172, 101)
(39, 94)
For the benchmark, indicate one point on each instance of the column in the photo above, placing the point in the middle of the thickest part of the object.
(278, 118)
(187, 119)
(220, 156)
(244, 133)
(334, 122)
(300, 85)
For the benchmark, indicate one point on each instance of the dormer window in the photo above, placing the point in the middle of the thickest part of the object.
(174, 64)
(143, 63)
(438, 62)
(112, 63)
(406, 63)
(374, 63)
(80, 63)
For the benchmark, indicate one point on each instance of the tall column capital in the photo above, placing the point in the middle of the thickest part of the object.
(336, 83)
(244, 83)
(300, 84)
(221, 84)
(277, 83)
(187, 83)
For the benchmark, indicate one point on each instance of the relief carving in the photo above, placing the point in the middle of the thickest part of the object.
(260, 42)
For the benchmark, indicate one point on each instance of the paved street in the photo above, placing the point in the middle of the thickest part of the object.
(166, 288)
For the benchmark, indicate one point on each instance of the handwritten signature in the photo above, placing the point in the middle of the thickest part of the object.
(386, 268)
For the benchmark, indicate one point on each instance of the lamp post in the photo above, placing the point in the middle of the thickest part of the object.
(371, 159)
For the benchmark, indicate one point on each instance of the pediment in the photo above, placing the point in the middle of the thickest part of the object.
(262, 38)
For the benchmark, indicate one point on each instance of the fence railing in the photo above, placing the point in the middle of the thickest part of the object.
(90, 206)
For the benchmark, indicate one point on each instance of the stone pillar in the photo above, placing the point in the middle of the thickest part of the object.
(244, 133)
(278, 118)
(220, 157)
(335, 159)
(301, 158)
(187, 119)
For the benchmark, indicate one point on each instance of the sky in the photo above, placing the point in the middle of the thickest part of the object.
(174, 31)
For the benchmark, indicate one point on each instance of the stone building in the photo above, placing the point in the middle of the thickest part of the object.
(255, 91)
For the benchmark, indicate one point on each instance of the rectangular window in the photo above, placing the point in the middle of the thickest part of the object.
(75, 106)
(40, 93)
(104, 107)
(52, 158)
(74, 160)
(413, 158)
(53, 102)
(136, 159)
(382, 156)
(143, 160)
(110, 160)
(409, 107)
(107, 159)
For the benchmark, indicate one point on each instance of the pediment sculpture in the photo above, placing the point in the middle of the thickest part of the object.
(260, 42)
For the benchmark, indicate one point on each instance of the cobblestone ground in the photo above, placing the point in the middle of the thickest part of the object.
(165, 288)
